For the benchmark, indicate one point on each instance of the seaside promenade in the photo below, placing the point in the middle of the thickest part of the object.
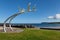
(15, 29)
(51, 28)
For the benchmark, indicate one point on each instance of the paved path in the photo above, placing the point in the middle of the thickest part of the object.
(53, 28)
(9, 30)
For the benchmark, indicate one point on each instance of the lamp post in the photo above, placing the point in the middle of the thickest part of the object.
(14, 15)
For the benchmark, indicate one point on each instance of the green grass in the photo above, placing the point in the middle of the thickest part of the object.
(29, 34)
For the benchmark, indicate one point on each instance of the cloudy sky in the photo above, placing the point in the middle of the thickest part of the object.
(46, 10)
(57, 16)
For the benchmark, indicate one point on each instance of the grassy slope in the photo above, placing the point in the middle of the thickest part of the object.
(31, 35)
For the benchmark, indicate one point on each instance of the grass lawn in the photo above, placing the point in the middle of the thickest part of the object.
(29, 34)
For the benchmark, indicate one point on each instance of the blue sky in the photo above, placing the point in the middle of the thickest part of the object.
(44, 8)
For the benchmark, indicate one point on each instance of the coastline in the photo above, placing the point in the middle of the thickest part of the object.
(51, 28)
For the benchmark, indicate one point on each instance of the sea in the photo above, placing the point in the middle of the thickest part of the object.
(41, 24)
(46, 25)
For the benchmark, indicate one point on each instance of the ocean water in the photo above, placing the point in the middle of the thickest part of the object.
(41, 25)
(46, 25)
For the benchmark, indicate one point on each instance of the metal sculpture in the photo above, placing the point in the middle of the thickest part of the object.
(14, 15)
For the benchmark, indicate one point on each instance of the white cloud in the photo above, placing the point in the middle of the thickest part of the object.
(50, 17)
(57, 16)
